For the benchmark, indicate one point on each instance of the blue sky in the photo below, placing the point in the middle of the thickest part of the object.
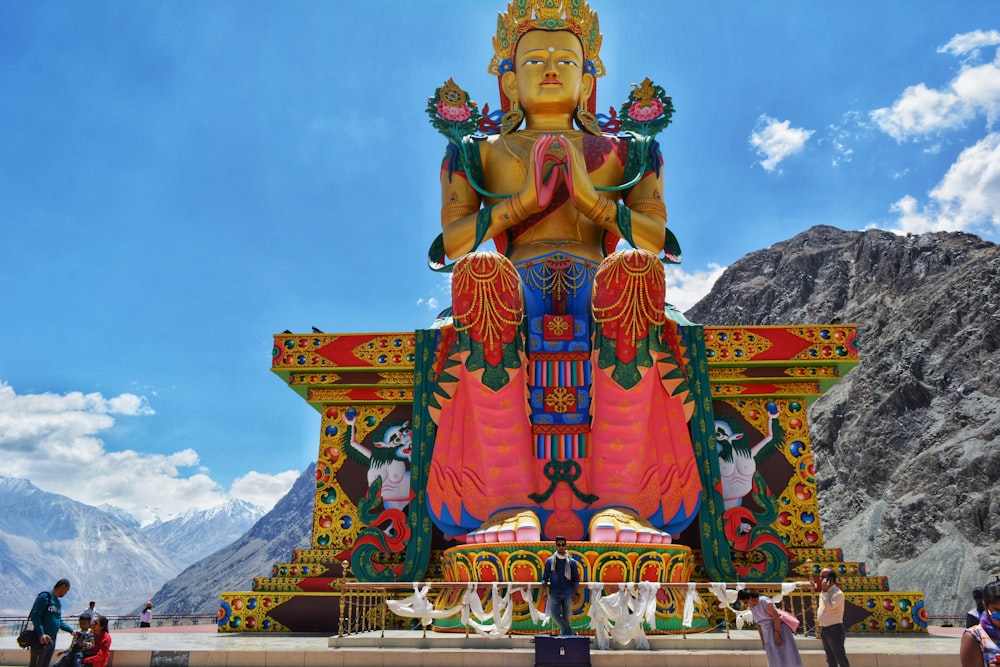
(181, 180)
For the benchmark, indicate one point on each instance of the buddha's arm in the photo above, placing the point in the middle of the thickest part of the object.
(645, 203)
(649, 213)
(460, 212)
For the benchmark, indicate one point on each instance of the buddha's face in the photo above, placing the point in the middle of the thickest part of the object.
(548, 74)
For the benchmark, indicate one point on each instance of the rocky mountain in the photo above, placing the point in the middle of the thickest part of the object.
(104, 552)
(907, 445)
(271, 540)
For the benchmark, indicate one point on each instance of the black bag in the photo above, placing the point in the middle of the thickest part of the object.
(27, 638)
(562, 651)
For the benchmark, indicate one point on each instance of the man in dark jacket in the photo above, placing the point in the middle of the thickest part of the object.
(46, 617)
(560, 578)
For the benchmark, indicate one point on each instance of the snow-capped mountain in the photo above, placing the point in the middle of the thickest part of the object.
(120, 514)
(197, 533)
(106, 556)
(232, 568)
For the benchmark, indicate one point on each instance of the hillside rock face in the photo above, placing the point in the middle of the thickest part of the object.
(907, 446)
(271, 540)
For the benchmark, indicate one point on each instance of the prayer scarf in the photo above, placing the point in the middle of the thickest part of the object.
(567, 569)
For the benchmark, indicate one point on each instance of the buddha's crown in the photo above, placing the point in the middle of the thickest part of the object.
(524, 15)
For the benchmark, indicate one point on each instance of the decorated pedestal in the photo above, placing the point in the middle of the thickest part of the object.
(757, 380)
(599, 562)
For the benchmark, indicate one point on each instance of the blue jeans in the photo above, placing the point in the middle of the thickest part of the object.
(560, 608)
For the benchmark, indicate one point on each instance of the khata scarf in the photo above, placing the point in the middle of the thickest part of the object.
(567, 569)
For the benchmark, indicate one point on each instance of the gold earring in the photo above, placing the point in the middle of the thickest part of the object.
(512, 119)
(587, 121)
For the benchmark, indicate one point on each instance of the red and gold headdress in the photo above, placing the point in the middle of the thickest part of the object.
(524, 15)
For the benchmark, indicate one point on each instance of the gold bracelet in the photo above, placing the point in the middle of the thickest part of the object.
(519, 213)
(507, 210)
(599, 204)
(602, 210)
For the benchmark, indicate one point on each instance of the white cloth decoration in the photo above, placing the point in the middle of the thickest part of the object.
(786, 588)
(598, 622)
(620, 616)
(725, 596)
(502, 614)
(418, 606)
(690, 600)
(743, 618)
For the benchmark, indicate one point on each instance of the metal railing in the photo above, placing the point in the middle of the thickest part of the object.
(362, 611)
(11, 625)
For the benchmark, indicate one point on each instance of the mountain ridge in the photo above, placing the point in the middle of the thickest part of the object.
(106, 556)
(906, 445)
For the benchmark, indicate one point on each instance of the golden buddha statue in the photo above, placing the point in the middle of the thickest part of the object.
(562, 402)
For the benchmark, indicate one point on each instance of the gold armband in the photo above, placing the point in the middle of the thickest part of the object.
(651, 206)
(456, 210)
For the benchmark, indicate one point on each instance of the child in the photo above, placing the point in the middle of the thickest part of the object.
(82, 644)
(102, 643)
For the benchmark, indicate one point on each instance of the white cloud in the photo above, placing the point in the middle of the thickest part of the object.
(775, 140)
(922, 111)
(442, 294)
(967, 198)
(968, 44)
(54, 441)
(686, 289)
(261, 489)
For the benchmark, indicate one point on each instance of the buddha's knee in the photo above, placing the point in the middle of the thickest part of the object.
(486, 292)
(630, 283)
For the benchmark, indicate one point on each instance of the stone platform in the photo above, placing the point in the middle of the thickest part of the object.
(203, 647)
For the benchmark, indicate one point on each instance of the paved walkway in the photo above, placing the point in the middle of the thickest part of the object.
(201, 646)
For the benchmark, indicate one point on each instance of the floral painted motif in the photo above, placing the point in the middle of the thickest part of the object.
(452, 113)
(648, 109)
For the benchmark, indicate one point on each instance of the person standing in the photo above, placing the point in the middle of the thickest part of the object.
(146, 617)
(560, 577)
(102, 643)
(981, 643)
(777, 638)
(830, 617)
(46, 618)
(974, 614)
(92, 609)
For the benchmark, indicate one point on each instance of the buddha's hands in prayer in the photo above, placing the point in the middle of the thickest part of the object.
(581, 188)
(555, 160)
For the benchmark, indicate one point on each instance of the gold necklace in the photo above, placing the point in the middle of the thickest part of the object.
(520, 144)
